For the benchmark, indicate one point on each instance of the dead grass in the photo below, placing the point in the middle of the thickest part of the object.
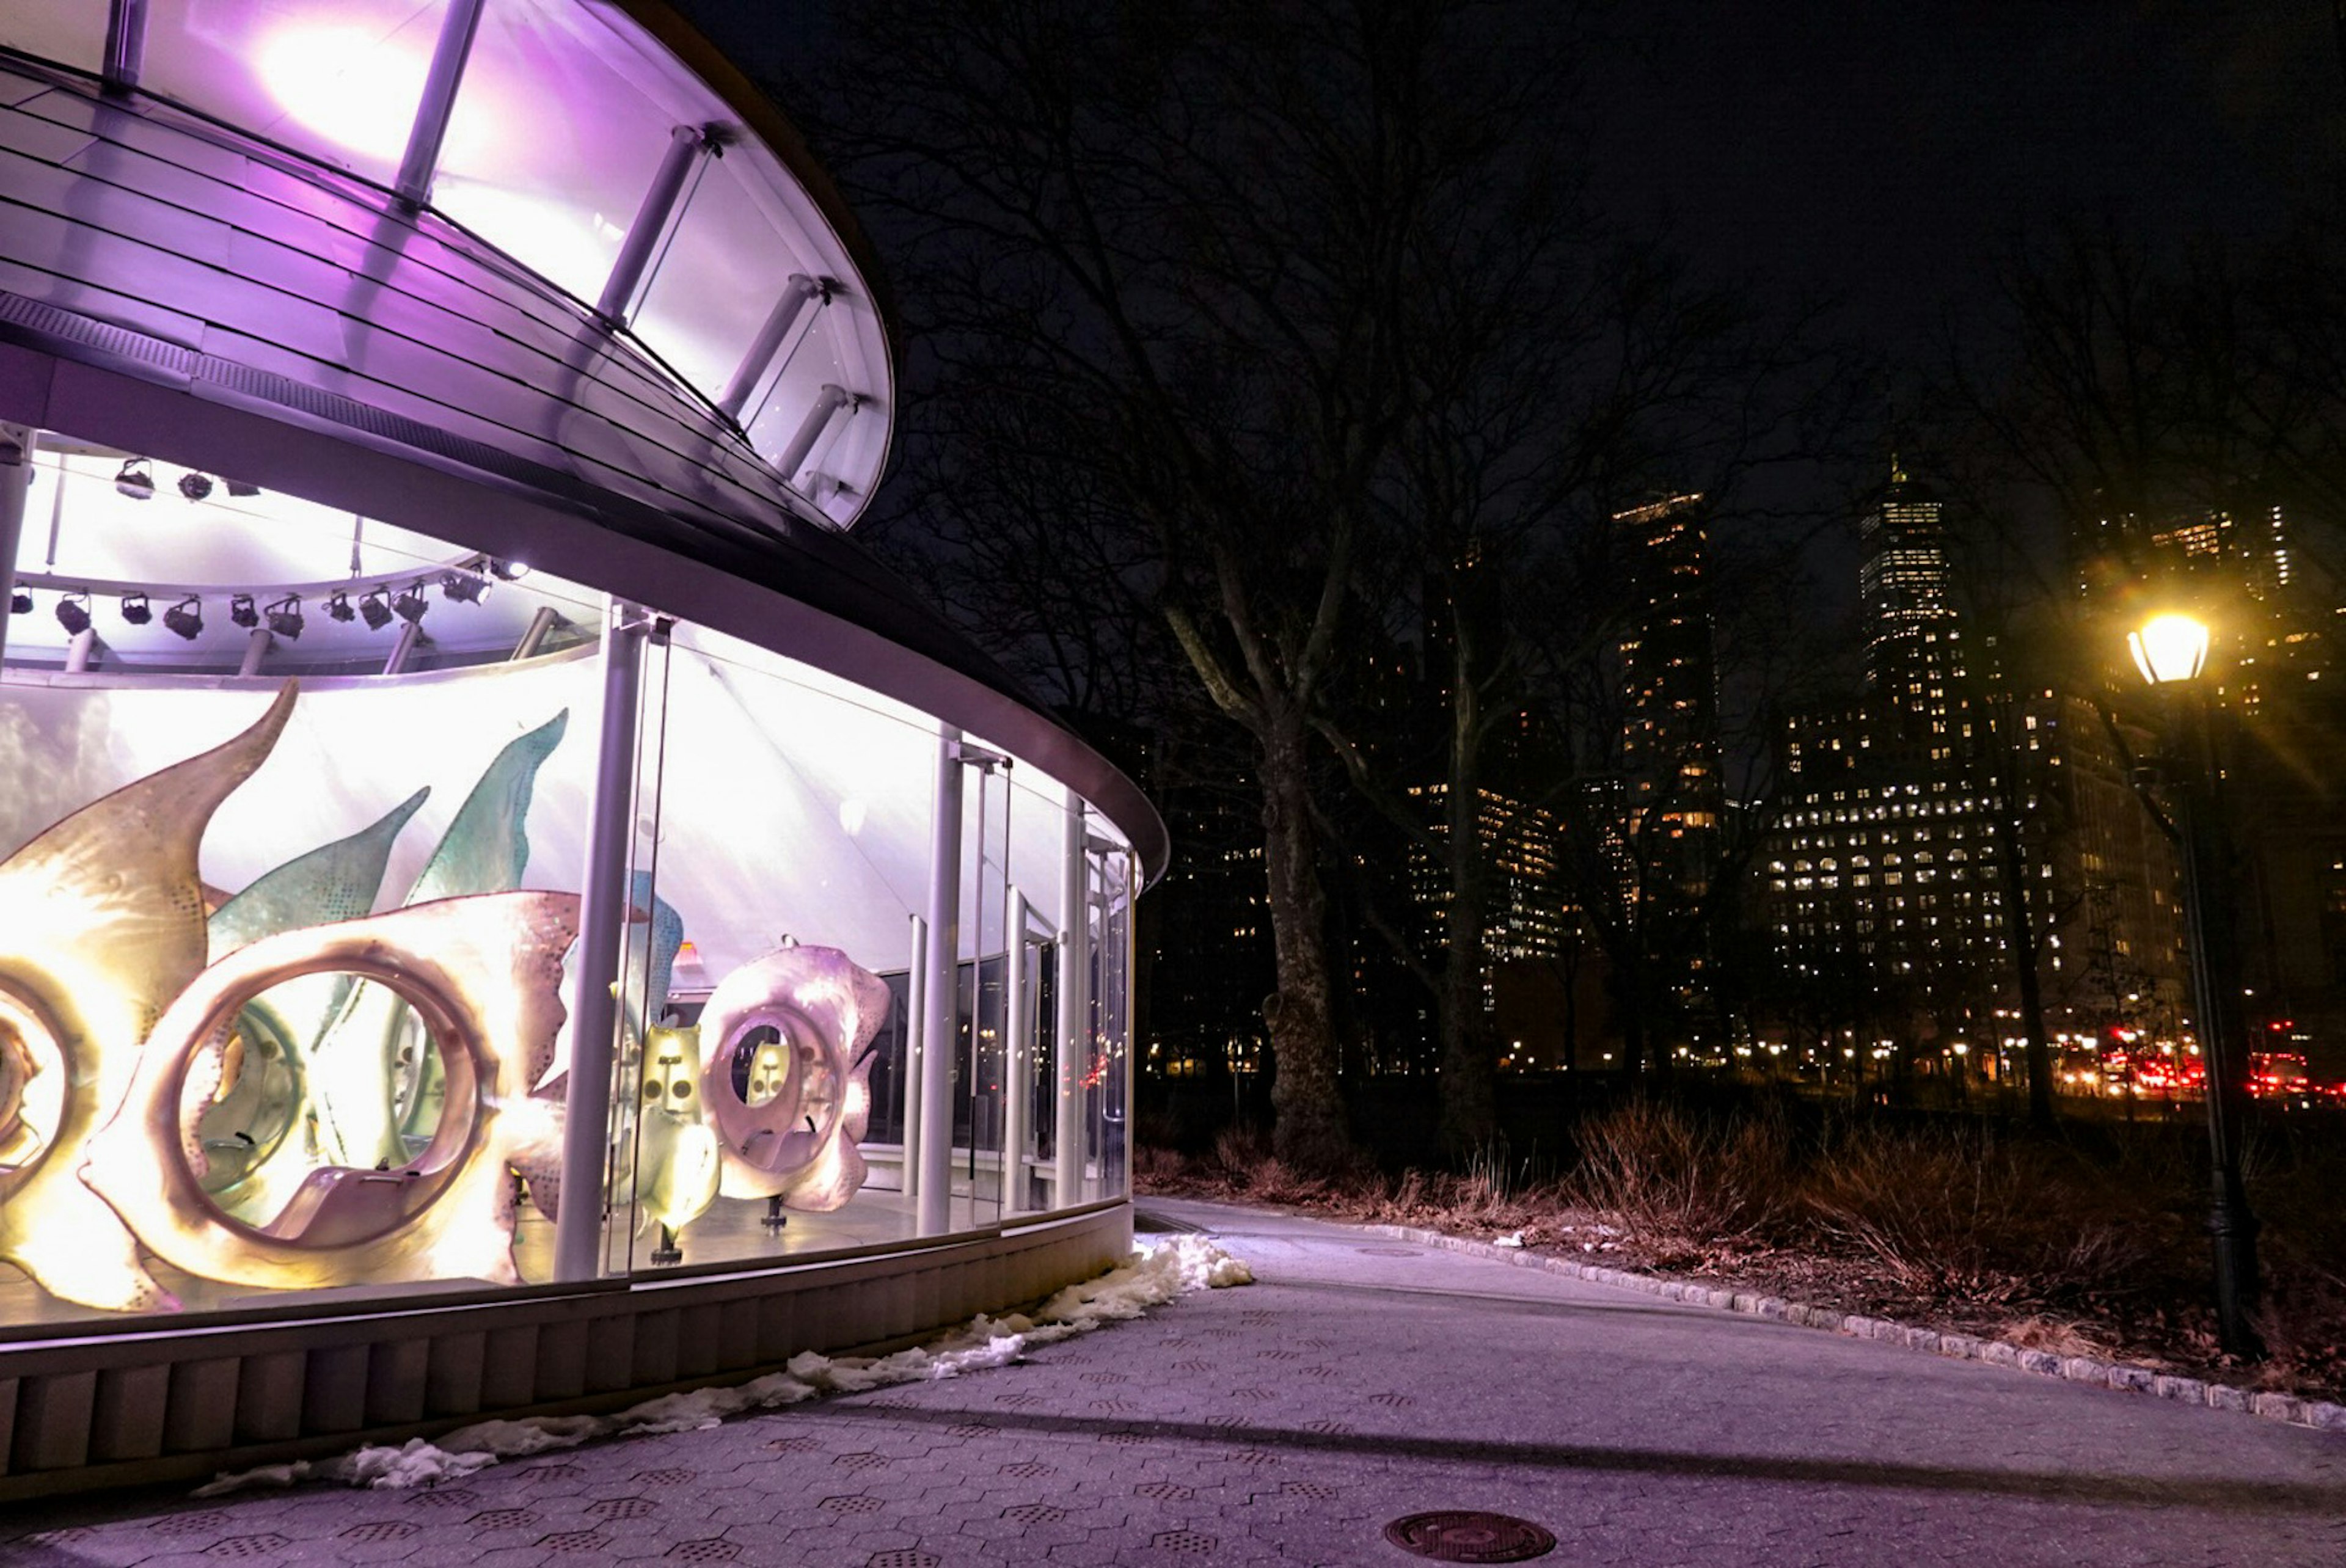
(1945, 1223)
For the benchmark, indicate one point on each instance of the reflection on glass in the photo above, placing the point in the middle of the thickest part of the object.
(338, 82)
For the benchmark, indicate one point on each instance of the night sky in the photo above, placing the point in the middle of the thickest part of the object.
(1878, 153)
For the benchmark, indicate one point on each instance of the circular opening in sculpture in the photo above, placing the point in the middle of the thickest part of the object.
(33, 1075)
(327, 1108)
(761, 1065)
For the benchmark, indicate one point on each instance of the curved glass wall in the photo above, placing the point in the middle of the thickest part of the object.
(296, 844)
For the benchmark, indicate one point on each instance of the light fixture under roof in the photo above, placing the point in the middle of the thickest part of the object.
(285, 617)
(239, 489)
(134, 479)
(463, 587)
(338, 607)
(137, 610)
(73, 613)
(186, 618)
(194, 486)
(241, 611)
(376, 608)
(20, 603)
(411, 604)
(509, 571)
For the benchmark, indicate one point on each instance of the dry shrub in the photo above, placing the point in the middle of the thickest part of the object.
(1677, 1176)
(1950, 1218)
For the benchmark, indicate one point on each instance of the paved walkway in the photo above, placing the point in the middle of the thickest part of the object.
(1287, 1423)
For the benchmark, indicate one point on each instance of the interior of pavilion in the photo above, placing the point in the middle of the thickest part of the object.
(294, 818)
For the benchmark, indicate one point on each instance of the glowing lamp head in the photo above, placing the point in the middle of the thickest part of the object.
(2170, 648)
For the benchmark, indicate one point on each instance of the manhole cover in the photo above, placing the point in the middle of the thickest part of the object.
(1391, 1251)
(1458, 1537)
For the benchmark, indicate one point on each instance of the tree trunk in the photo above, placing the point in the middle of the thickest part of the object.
(1308, 1123)
(1470, 1117)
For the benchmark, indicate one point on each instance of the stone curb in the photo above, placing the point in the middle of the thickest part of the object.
(2319, 1414)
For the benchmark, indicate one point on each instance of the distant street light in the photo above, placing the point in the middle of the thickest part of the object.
(2170, 650)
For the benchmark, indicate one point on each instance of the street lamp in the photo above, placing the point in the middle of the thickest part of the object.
(2170, 651)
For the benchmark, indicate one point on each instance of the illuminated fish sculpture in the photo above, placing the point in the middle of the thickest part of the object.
(102, 923)
(676, 1164)
(484, 974)
(788, 1074)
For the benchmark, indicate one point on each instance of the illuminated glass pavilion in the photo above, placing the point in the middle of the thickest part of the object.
(502, 903)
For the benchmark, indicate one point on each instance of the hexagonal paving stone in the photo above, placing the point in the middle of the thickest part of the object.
(1182, 1540)
(380, 1529)
(912, 1559)
(863, 1460)
(623, 1507)
(852, 1504)
(574, 1541)
(711, 1550)
(537, 1472)
(667, 1477)
(793, 1445)
(1166, 1491)
(1106, 1377)
(1034, 1513)
(1318, 1491)
(237, 1546)
(1030, 1469)
(1396, 1401)
(194, 1523)
(502, 1519)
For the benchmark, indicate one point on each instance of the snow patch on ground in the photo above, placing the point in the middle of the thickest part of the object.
(1156, 1272)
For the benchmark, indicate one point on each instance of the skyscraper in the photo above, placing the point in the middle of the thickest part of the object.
(1913, 641)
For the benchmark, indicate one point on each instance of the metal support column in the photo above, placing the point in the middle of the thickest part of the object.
(125, 46)
(441, 80)
(16, 448)
(685, 144)
(602, 937)
(1074, 1008)
(938, 1023)
(769, 343)
(827, 404)
(1018, 1047)
(917, 1017)
(257, 644)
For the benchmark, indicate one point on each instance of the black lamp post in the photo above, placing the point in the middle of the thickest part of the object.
(2170, 650)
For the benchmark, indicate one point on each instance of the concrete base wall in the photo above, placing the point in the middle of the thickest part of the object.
(151, 1402)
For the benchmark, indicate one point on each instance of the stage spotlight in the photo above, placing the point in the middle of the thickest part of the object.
(135, 610)
(194, 486)
(338, 607)
(133, 479)
(186, 618)
(285, 617)
(239, 488)
(376, 611)
(509, 571)
(241, 611)
(411, 604)
(73, 613)
(462, 586)
(20, 603)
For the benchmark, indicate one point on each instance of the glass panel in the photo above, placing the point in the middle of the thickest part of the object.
(980, 1067)
(724, 266)
(786, 852)
(338, 82)
(1107, 1080)
(551, 142)
(320, 963)
(70, 32)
